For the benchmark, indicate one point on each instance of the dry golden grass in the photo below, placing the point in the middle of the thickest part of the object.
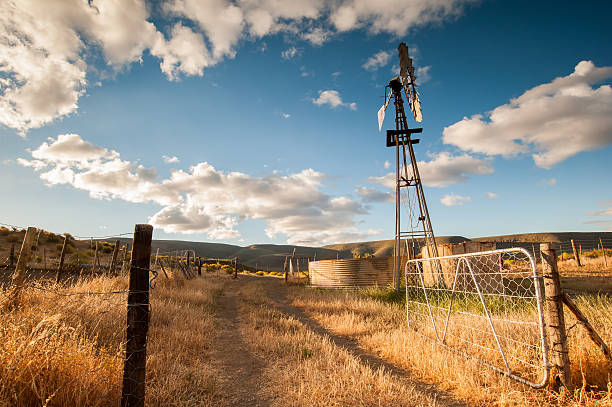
(381, 328)
(68, 350)
(308, 369)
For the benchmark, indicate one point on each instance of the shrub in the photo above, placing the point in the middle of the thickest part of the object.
(107, 247)
(52, 238)
(227, 269)
(13, 238)
(260, 273)
(80, 257)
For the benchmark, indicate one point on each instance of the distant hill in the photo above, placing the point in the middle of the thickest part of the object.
(272, 256)
(382, 248)
(263, 256)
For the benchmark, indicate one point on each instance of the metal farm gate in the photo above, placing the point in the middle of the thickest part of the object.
(486, 306)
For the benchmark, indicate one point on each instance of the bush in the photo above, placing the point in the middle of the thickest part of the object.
(52, 238)
(59, 246)
(80, 257)
(106, 247)
(13, 238)
(227, 269)
(4, 231)
(260, 273)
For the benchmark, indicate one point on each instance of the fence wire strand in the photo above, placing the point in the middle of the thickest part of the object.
(487, 306)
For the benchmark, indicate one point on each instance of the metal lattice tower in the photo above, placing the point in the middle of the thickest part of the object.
(400, 138)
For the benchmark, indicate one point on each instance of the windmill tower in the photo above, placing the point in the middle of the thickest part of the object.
(408, 185)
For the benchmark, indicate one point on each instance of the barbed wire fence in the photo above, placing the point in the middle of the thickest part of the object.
(111, 312)
(87, 306)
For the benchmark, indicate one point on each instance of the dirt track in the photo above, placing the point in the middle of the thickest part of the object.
(241, 370)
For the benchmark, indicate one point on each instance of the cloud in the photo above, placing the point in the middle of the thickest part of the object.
(454, 200)
(203, 199)
(289, 53)
(185, 52)
(395, 16)
(49, 50)
(442, 170)
(492, 195)
(552, 121)
(387, 164)
(377, 61)
(285, 115)
(317, 36)
(552, 181)
(333, 99)
(170, 160)
(374, 195)
(423, 75)
(606, 214)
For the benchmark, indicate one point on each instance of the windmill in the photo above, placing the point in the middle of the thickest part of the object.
(407, 177)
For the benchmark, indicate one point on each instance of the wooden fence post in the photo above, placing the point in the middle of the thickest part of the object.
(44, 259)
(37, 239)
(22, 262)
(124, 262)
(235, 267)
(555, 318)
(199, 266)
(285, 269)
(603, 252)
(61, 262)
(95, 260)
(133, 392)
(576, 255)
(12, 256)
(113, 263)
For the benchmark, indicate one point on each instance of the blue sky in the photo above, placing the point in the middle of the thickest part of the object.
(255, 121)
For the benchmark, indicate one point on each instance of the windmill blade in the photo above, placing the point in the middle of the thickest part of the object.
(414, 102)
(381, 112)
(416, 109)
(405, 61)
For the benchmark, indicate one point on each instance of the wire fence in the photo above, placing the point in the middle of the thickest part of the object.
(593, 252)
(87, 329)
(487, 306)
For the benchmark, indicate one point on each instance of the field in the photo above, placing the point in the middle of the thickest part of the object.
(256, 341)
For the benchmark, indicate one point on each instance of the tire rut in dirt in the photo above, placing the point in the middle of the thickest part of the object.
(240, 371)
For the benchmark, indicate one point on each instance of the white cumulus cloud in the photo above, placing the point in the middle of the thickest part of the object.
(333, 99)
(492, 195)
(48, 49)
(442, 170)
(454, 200)
(377, 61)
(170, 160)
(204, 199)
(552, 121)
(374, 195)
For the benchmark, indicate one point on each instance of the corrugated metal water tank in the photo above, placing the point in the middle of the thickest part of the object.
(351, 273)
